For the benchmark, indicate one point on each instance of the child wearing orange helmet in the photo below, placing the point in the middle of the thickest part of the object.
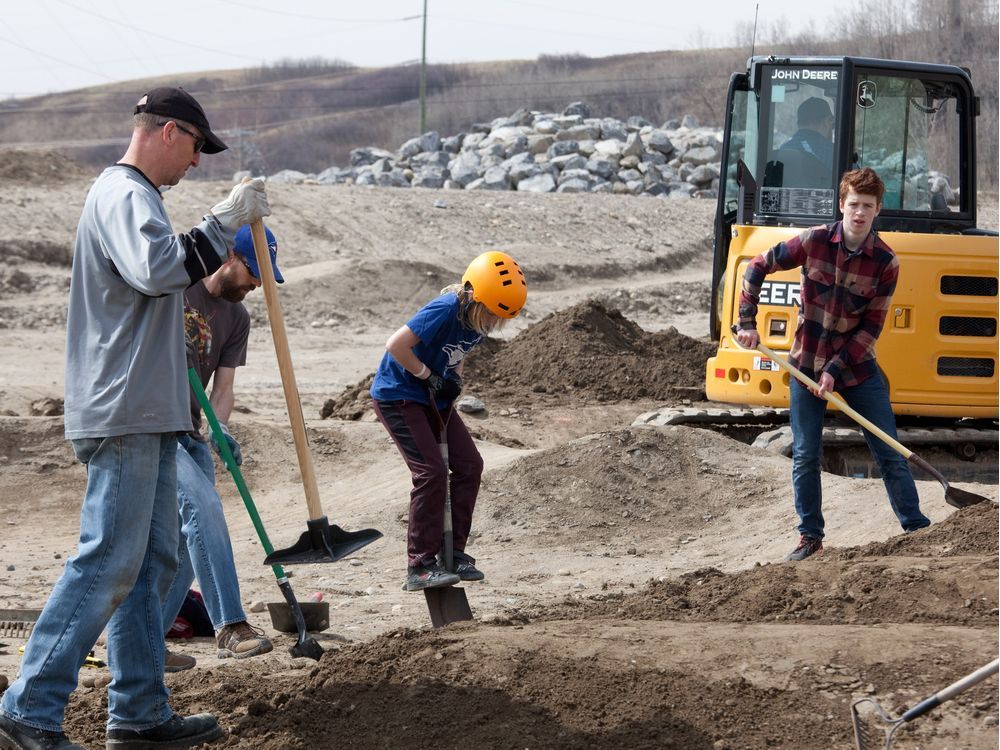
(421, 371)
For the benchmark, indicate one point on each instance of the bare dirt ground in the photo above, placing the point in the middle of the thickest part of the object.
(635, 595)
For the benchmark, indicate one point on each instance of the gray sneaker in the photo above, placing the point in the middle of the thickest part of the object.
(17, 736)
(467, 571)
(808, 545)
(431, 576)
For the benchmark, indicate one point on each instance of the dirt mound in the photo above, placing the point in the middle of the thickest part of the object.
(623, 487)
(877, 583)
(39, 167)
(34, 446)
(564, 686)
(969, 531)
(592, 352)
(585, 352)
(353, 403)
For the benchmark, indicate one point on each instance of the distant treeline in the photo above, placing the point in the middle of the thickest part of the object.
(308, 114)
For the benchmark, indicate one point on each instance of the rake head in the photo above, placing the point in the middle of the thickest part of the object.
(873, 727)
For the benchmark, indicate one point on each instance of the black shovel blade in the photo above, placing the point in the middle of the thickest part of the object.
(322, 543)
(447, 604)
(957, 498)
(308, 647)
(305, 644)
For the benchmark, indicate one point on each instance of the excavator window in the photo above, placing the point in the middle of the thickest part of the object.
(798, 134)
(907, 129)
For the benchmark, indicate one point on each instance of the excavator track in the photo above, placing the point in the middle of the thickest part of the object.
(968, 450)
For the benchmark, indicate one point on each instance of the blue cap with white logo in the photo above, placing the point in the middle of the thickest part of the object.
(244, 248)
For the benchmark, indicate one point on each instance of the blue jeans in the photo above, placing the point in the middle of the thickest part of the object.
(871, 400)
(204, 549)
(124, 564)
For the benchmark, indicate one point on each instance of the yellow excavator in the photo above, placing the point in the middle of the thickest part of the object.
(793, 126)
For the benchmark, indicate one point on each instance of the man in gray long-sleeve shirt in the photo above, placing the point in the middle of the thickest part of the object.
(126, 398)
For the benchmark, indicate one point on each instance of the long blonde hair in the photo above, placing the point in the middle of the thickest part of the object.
(472, 314)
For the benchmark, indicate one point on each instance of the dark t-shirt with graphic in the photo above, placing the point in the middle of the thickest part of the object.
(219, 331)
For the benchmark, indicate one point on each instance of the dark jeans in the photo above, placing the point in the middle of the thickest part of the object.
(415, 431)
(871, 400)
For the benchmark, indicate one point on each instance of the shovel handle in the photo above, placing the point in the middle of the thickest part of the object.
(952, 690)
(833, 398)
(291, 390)
(837, 401)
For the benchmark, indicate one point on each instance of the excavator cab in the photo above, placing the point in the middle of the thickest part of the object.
(793, 126)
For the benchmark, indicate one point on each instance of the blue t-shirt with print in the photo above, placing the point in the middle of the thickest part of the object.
(443, 344)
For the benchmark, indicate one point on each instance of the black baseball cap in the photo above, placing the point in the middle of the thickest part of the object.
(176, 102)
(813, 109)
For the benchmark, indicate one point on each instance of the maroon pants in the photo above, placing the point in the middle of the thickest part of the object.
(414, 429)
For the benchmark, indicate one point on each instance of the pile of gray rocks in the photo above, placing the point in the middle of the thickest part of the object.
(545, 152)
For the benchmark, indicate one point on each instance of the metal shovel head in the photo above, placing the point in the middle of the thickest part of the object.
(308, 648)
(447, 604)
(957, 498)
(322, 543)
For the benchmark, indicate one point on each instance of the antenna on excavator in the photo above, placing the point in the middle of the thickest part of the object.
(753, 39)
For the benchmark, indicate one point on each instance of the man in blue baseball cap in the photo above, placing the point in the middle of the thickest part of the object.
(244, 249)
(217, 328)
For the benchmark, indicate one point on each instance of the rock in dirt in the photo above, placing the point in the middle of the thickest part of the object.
(47, 407)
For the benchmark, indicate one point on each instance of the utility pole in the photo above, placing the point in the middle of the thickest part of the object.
(423, 76)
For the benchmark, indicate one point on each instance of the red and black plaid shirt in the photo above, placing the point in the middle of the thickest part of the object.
(844, 300)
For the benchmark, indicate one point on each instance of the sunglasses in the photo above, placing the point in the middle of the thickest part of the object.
(246, 265)
(199, 141)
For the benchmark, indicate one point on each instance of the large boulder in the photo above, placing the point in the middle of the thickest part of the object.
(541, 183)
(465, 167)
(579, 109)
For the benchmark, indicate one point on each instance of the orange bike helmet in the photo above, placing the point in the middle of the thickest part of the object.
(497, 282)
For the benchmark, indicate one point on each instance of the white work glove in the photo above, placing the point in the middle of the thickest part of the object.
(246, 202)
(234, 447)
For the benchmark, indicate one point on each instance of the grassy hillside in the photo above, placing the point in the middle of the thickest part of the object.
(307, 115)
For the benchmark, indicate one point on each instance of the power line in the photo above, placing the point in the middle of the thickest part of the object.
(55, 59)
(284, 13)
(141, 30)
(628, 21)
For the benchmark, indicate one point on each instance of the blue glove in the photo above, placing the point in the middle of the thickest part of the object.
(234, 447)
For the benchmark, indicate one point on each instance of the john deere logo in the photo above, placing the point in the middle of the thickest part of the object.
(867, 94)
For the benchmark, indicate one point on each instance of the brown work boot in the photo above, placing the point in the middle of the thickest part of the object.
(177, 662)
(241, 640)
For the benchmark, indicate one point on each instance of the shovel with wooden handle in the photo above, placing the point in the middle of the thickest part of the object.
(952, 495)
(322, 541)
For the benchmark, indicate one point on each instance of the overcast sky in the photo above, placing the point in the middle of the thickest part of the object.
(56, 45)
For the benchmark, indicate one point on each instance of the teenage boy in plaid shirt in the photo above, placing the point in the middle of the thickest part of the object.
(848, 277)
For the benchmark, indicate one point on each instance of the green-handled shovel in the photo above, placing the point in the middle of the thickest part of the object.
(952, 495)
(305, 645)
